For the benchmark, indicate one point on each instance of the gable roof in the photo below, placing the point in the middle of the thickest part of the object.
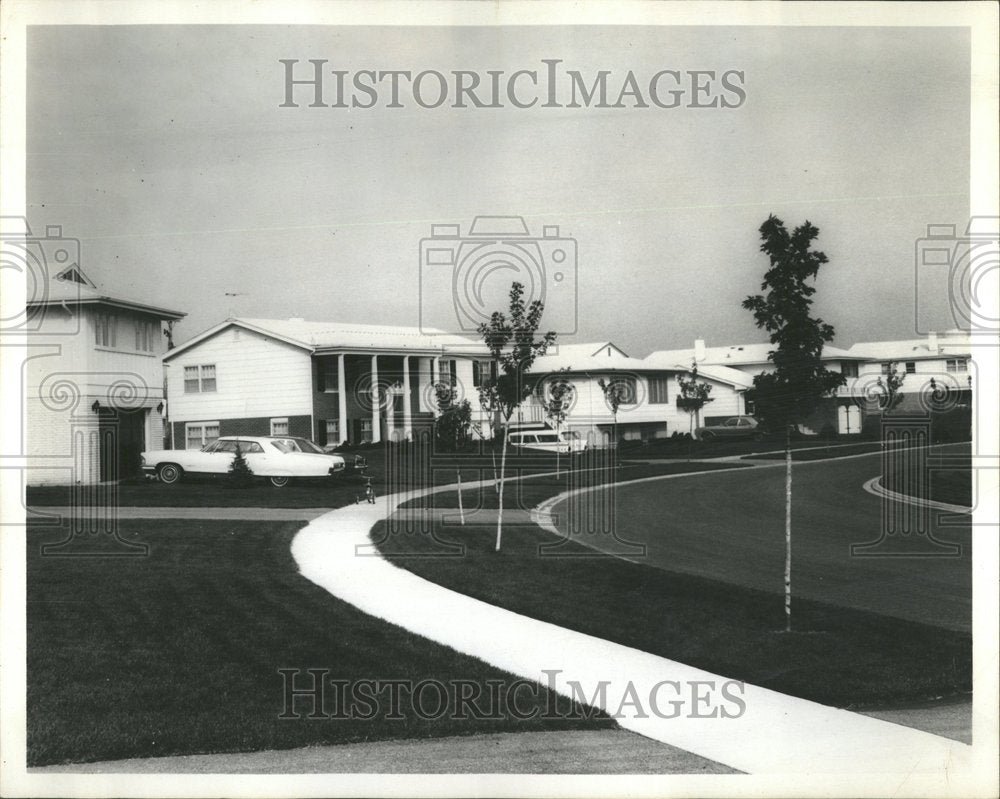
(74, 274)
(330, 337)
(596, 356)
(664, 360)
(742, 355)
(952, 342)
(73, 287)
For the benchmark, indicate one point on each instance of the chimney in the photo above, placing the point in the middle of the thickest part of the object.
(932, 341)
(699, 349)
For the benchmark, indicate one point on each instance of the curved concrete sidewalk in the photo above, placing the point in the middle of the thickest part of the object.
(874, 487)
(775, 734)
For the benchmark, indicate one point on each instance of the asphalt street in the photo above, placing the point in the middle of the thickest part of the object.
(730, 526)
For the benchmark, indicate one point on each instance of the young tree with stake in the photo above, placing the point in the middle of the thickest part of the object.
(615, 395)
(557, 406)
(787, 395)
(692, 399)
(513, 348)
(890, 392)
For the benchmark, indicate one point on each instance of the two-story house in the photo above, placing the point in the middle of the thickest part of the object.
(648, 388)
(934, 366)
(330, 382)
(93, 380)
(936, 370)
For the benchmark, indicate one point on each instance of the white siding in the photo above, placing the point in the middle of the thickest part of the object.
(255, 376)
(66, 373)
(590, 408)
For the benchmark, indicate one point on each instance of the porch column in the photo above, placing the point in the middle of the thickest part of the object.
(407, 410)
(342, 398)
(376, 427)
(435, 379)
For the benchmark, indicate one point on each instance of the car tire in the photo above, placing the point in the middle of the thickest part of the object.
(279, 481)
(169, 473)
(707, 436)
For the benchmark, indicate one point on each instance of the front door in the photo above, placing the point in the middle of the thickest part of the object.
(122, 440)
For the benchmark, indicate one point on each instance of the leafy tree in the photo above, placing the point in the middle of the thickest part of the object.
(557, 405)
(513, 348)
(890, 394)
(240, 475)
(693, 396)
(692, 399)
(453, 425)
(787, 395)
(615, 393)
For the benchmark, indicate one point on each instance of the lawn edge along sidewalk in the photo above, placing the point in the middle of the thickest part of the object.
(775, 734)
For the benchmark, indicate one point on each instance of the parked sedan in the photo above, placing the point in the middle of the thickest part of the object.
(278, 458)
(734, 427)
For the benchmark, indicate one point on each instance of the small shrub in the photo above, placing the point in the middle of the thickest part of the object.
(240, 474)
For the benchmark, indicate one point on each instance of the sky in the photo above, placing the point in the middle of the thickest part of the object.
(163, 149)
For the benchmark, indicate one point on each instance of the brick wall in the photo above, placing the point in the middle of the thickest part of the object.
(249, 426)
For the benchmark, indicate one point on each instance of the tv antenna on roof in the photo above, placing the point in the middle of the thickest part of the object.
(234, 294)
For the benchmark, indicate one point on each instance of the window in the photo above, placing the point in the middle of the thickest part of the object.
(886, 369)
(279, 427)
(481, 370)
(849, 368)
(366, 427)
(208, 378)
(106, 330)
(625, 385)
(911, 367)
(448, 371)
(658, 390)
(191, 383)
(956, 365)
(332, 429)
(145, 335)
(199, 379)
(198, 434)
(328, 376)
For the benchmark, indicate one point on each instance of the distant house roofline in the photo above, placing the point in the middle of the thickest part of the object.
(452, 346)
(113, 302)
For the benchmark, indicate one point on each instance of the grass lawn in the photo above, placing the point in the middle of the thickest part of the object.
(820, 452)
(842, 657)
(526, 494)
(947, 479)
(178, 652)
(721, 448)
(212, 493)
(412, 468)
